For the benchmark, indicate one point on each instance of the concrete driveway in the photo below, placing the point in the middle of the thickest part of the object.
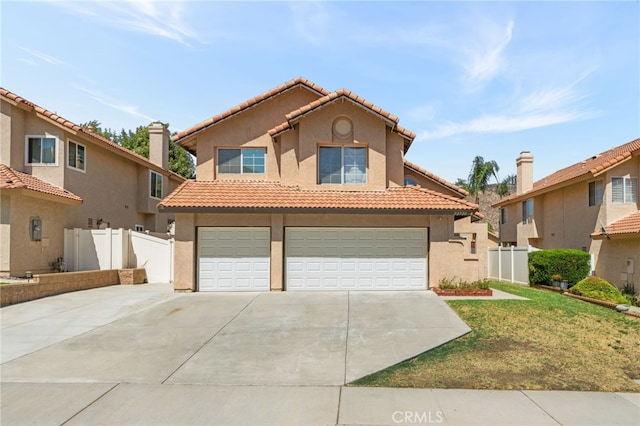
(147, 356)
(311, 338)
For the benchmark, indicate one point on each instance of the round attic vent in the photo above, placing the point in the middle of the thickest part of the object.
(342, 127)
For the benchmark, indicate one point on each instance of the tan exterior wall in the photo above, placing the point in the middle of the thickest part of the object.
(449, 254)
(19, 253)
(618, 261)
(113, 188)
(428, 183)
(249, 130)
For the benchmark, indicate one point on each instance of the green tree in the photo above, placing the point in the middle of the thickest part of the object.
(503, 186)
(479, 175)
(180, 161)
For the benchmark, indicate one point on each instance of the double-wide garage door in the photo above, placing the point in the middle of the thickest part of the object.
(238, 259)
(356, 258)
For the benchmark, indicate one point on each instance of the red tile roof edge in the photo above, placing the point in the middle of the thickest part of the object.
(13, 179)
(298, 81)
(333, 97)
(627, 225)
(457, 204)
(435, 178)
(590, 167)
(76, 128)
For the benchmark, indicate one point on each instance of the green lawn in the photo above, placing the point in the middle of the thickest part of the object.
(548, 342)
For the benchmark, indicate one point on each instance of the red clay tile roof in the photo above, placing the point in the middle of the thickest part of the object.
(293, 116)
(252, 195)
(94, 136)
(587, 168)
(628, 225)
(13, 179)
(299, 81)
(435, 178)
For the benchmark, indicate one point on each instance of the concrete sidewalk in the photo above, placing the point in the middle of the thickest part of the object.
(146, 404)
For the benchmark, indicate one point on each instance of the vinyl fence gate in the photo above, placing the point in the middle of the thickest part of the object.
(99, 249)
(509, 264)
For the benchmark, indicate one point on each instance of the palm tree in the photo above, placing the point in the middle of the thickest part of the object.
(479, 175)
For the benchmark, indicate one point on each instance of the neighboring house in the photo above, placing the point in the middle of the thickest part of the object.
(55, 175)
(302, 189)
(592, 206)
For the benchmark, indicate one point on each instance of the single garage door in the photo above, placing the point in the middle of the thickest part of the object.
(356, 258)
(233, 259)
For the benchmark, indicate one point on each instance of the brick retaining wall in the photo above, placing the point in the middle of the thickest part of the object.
(44, 285)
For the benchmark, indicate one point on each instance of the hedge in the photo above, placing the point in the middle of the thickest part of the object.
(572, 265)
(598, 288)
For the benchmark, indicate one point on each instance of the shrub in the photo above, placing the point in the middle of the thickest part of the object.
(597, 288)
(572, 265)
(450, 283)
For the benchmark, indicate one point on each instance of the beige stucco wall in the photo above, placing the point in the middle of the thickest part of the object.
(112, 187)
(618, 261)
(22, 253)
(427, 183)
(449, 255)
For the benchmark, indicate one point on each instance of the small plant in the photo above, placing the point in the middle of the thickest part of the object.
(629, 293)
(598, 288)
(453, 283)
(556, 277)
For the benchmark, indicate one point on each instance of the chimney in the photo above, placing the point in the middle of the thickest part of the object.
(159, 145)
(524, 167)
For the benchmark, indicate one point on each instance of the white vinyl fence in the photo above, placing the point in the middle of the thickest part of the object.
(99, 249)
(510, 264)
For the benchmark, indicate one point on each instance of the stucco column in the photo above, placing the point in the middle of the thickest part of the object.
(185, 255)
(277, 252)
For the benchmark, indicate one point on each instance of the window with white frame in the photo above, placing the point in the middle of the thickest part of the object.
(624, 190)
(241, 161)
(596, 191)
(42, 150)
(342, 164)
(527, 211)
(76, 156)
(156, 185)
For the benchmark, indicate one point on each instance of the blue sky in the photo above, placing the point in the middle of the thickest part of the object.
(560, 79)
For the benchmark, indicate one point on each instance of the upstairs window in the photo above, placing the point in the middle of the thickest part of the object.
(75, 156)
(596, 191)
(409, 180)
(156, 185)
(527, 211)
(241, 161)
(342, 165)
(624, 190)
(42, 150)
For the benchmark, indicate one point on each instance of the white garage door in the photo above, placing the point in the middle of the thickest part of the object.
(356, 258)
(233, 259)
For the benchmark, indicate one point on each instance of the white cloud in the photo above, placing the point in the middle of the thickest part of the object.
(104, 100)
(156, 18)
(42, 56)
(484, 58)
(540, 108)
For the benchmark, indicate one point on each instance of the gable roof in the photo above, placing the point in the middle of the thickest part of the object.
(589, 168)
(13, 179)
(296, 82)
(332, 97)
(435, 178)
(627, 226)
(75, 129)
(235, 195)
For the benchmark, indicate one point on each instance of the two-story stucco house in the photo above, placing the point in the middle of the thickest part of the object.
(55, 174)
(304, 189)
(591, 206)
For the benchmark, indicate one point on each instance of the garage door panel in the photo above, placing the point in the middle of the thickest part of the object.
(234, 259)
(356, 258)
